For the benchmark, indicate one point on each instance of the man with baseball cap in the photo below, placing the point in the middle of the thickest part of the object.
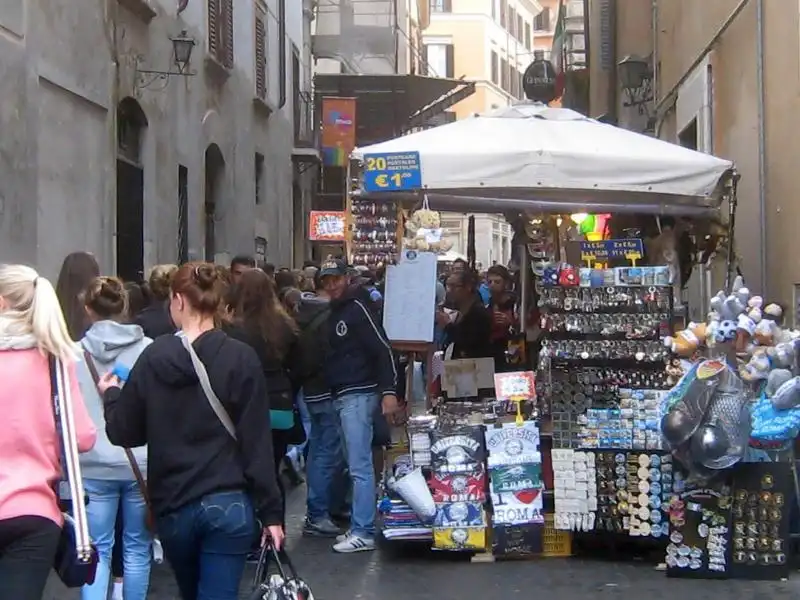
(361, 372)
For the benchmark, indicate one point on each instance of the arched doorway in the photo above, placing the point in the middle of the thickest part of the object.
(215, 174)
(131, 127)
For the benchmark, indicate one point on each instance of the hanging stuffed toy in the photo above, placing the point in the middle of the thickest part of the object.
(424, 232)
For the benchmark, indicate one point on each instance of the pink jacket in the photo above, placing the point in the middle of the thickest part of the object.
(29, 448)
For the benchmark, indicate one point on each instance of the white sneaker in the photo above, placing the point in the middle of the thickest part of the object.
(354, 543)
(342, 537)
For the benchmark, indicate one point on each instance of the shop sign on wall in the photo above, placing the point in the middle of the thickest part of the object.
(392, 172)
(631, 249)
(326, 226)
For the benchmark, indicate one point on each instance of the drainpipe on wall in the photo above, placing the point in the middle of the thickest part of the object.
(282, 53)
(654, 27)
(762, 146)
(613, 79)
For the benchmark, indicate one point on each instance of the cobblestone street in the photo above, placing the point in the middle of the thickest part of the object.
(430, 576)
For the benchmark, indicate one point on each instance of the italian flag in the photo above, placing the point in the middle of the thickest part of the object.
(557, 53)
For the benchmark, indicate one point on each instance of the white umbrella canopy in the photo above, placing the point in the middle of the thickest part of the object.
(533, 156)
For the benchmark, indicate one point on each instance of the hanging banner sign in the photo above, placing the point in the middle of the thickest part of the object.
(631, 249)
(392, 172)
(338, 130)
(326, 226)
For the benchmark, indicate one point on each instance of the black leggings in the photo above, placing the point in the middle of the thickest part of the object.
(27, 549)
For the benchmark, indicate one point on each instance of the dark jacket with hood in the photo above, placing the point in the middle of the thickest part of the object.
(278, 372)
(360, 358)
(312, 318)
(155, 320)
(190, 453)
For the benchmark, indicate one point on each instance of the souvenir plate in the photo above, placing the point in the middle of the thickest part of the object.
(461, 452)
(458, 488)
(473, 538)
(513, 444)
(518, 508)
(459, 514)
(516, 478)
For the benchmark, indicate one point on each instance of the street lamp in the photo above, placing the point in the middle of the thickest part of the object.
(636, 79)
(182, 47)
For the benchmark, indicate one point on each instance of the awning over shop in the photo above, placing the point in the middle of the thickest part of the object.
(389, 105)
(531, 157)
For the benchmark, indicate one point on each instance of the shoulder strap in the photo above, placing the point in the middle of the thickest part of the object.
(318, 318)
(54, 395)
(205, 383)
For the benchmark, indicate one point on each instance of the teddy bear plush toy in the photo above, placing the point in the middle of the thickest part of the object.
(424, 232)
(685, 343)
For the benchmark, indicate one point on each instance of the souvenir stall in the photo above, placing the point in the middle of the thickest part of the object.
(730, 423)
(506, 466)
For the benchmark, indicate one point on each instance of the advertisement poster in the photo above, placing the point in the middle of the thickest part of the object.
(338, 130)
(326, 226)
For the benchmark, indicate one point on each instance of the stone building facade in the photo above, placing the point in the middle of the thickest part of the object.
(99, 152)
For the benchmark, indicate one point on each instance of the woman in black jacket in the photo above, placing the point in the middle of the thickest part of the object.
(210, 472)
(260, 320)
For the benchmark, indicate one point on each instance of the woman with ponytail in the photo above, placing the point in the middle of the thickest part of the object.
(32, 329)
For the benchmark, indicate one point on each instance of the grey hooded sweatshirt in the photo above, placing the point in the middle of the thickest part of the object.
(110, 344)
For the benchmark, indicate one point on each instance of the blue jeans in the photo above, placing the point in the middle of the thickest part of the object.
(105, 498)
(325, 477)
(301, 449)
(356, 412)
(207, 542)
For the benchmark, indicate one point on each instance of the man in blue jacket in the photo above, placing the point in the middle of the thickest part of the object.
(361, 372)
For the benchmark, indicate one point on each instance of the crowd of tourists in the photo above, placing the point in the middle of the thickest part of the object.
(202, 381)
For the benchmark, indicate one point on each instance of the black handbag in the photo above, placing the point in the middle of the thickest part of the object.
(286, 584)
(75, 566)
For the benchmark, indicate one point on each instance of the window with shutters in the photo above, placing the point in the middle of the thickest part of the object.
(542, 21)
(512, 22)
(440, 59)
(495, 68)
(261, 53)
(220, 31)
(528, 36)
(259, 178)
(519, 28)
(504, 74)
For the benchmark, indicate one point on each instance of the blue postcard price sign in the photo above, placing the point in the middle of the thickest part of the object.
(392, 172)
(631, 249)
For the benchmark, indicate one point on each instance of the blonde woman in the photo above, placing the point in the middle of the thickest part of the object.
(32, 329)
(108, 474)
(154, 319)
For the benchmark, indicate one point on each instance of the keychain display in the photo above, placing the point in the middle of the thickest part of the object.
(642, 351)
(373, 232)
(604, 325)
(603, 336)
(610, 299)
